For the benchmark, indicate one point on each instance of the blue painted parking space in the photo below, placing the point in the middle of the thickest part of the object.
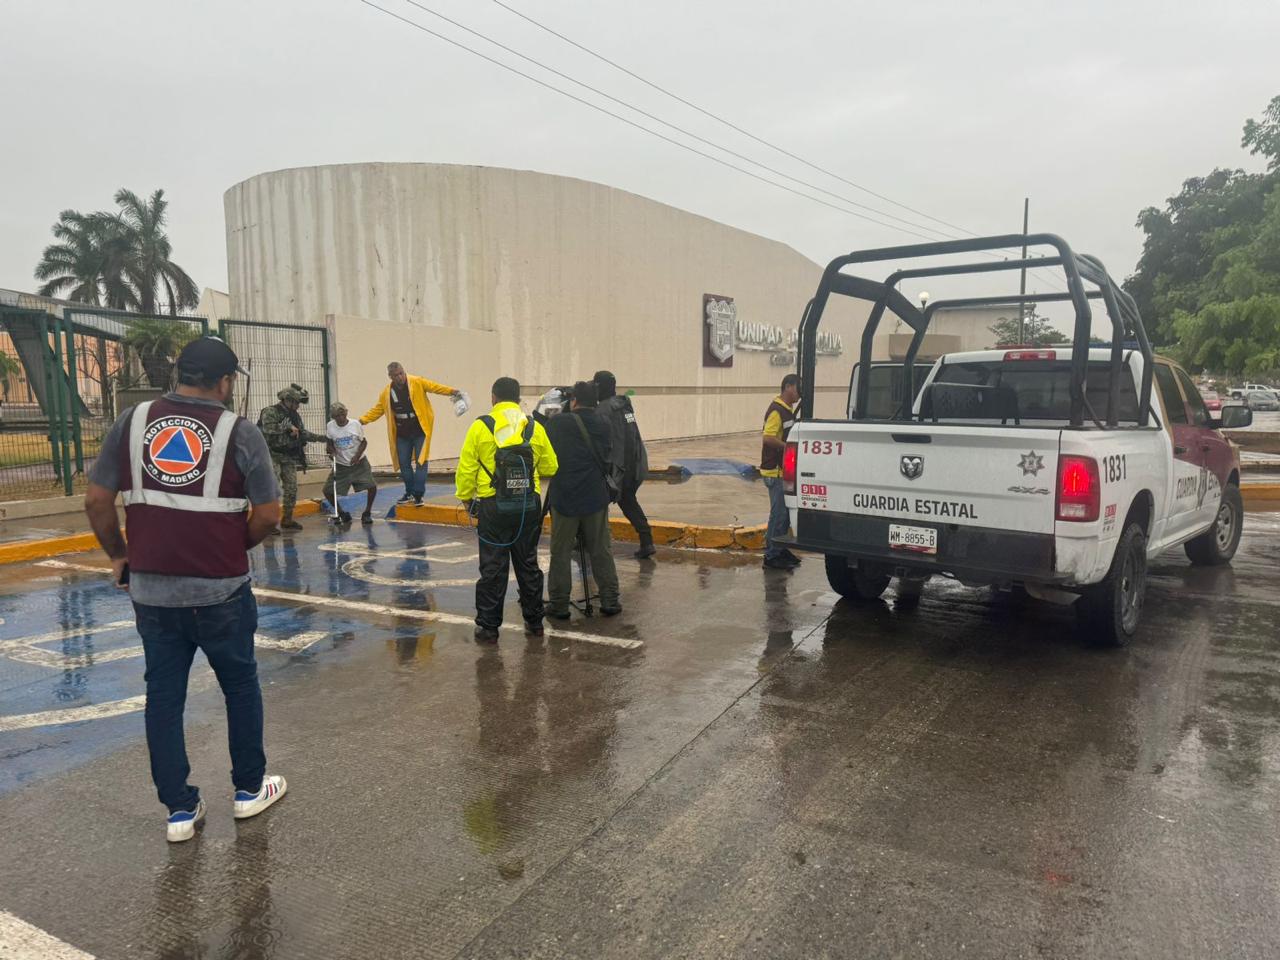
(71, 664)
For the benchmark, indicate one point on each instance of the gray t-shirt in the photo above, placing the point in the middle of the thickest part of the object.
(254, 460)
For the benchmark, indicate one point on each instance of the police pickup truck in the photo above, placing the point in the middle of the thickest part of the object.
(1060, 470)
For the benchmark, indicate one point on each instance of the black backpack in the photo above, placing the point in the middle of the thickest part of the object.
(512, 474)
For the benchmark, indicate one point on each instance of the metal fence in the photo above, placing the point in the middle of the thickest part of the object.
(67, 372)
(30, 459)
(275, 355)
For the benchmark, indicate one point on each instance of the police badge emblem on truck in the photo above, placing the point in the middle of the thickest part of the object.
(911, 466)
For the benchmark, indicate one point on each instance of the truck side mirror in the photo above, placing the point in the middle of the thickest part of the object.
(1235, 418)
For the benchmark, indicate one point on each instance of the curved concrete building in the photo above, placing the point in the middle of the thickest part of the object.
(468, 273)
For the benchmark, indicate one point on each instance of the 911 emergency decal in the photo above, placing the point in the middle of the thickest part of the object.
(174, 449)
(813, 495)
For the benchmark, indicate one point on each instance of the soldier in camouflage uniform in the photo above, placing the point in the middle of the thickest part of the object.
(286, 437)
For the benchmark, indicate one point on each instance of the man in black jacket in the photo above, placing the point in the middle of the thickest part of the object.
(629, 459)
(579, 501)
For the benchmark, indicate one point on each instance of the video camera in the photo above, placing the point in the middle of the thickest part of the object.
(555, 401)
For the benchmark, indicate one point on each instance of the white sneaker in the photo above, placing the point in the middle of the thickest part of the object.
(182, 824)
(251, 804)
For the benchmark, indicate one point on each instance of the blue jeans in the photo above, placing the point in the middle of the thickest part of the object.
(779, 518)
(407, 450)
(170, 637)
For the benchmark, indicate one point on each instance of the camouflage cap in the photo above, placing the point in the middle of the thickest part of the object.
(293, 392)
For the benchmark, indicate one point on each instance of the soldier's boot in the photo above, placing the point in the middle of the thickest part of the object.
(647, 549)
(288, 523)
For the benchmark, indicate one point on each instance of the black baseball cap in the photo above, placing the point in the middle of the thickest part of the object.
(208, 357)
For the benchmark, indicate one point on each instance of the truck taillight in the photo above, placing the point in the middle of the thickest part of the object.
(789, 468)
(1031, 355)
(1079, 489)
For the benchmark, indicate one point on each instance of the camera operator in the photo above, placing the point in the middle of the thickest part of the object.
(628, 459)
(579, 499)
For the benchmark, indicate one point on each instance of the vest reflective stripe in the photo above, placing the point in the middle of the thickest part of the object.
(137, 428)
(206, 502)
(218, 456)
(183, 501)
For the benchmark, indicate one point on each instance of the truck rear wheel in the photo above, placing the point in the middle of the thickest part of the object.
(855, 583)
(1218, 544)
(1112, 610)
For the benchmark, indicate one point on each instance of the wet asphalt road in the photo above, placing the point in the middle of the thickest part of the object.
(771, 774)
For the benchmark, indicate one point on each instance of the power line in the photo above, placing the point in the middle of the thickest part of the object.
(632, 123)
(728, 123)
(638, 126)
(679, 129)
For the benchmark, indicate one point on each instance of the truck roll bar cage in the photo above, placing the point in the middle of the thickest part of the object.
(1078, 269)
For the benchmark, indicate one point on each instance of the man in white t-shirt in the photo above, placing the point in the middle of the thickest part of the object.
(347, 444)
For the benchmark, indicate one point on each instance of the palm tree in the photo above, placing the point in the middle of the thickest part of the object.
(149, 266)
(87, 265)
(157, 343)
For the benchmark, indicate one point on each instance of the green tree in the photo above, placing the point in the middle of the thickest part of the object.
(122, 260)
(1263, 136)
(157, 344)
(1034, 331)
(1208, 281)
(87, 264)
(1183, 241)
(150, 265)
(10, 368)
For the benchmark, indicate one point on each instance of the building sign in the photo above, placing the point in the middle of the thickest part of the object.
(783, 343)
(719, 325)
(723, 334)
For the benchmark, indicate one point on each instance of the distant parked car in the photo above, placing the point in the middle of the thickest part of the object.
(1212, 400)
(1262, 400)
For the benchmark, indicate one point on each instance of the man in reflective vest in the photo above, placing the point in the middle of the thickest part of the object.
(504, 459)
(778, 420)
(188, 470)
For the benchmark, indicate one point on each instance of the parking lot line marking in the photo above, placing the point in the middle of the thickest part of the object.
(19, 939)
(94, 711)
(435, 616)
(66, 634)
(416, 553)
(26, 651)
(295, 644)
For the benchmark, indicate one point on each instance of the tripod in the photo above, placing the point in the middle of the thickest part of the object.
(580, 549)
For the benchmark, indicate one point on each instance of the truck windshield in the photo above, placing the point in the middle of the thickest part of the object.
(1016, 390)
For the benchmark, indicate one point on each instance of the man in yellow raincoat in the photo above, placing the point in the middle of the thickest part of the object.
(410, 420)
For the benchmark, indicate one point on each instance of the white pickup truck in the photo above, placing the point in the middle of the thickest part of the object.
(1063, 471)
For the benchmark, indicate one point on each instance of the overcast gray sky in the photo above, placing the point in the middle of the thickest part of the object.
(1093, 109)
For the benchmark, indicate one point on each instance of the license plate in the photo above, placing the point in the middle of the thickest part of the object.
(915, 539)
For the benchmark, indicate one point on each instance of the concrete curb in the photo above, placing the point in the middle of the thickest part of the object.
(39, 549)
(1267, 493)
(665, 532)
(21, 550)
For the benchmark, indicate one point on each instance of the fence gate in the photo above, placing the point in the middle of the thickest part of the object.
(34, 454)
(275, 355)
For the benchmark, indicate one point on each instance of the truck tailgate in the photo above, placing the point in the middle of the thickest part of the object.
(930, 475)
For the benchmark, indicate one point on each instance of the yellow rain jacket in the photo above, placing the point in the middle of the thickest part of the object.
(419, 387)
(481, 446)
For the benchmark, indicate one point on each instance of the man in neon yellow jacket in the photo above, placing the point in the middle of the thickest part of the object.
(509, 519)
(410, 420)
